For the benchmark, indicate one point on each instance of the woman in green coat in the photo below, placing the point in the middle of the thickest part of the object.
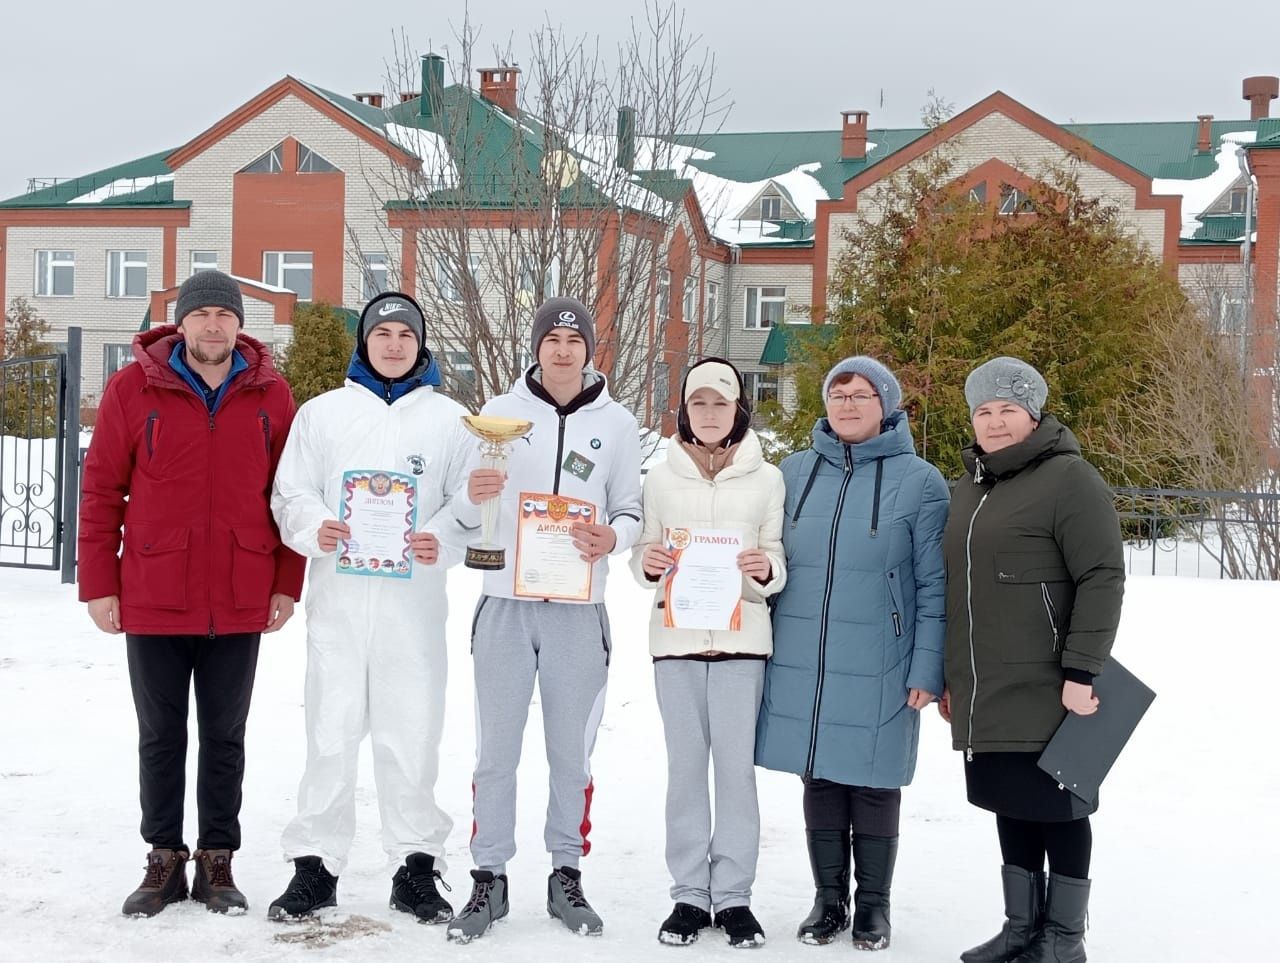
(1035, 576)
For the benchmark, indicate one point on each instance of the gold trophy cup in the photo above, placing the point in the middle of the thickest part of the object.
(496, 436)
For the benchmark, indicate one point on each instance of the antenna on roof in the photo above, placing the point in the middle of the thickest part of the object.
(881, 96)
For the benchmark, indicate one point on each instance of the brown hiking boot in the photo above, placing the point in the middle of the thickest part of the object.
(164, 883)
(213, 884)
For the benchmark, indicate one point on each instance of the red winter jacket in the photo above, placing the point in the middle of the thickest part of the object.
(192, 490)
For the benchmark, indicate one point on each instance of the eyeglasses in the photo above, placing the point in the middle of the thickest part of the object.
(859, 399)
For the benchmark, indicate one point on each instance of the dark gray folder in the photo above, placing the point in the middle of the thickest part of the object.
(1084, 748)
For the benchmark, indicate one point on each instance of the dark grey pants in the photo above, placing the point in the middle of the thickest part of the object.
(161, 671)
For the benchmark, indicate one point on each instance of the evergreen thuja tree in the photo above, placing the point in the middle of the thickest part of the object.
(938, 283)
(316, 361)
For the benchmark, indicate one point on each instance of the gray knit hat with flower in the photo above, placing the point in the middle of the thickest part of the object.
(881, 378)
(1006, 379)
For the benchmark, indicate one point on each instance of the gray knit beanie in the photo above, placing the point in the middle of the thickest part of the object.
(564, 313)
(881, 378)
(209, 289)
(1006, 379)
(392, 306)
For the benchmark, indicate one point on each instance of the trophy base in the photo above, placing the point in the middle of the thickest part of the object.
(485, 557)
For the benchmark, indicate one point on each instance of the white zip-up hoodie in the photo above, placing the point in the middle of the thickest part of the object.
(589, 450)
(746, 496)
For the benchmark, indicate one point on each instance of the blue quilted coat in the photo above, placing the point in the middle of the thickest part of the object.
(861, 619)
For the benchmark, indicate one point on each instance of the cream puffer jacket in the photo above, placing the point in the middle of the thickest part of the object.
(747, 496)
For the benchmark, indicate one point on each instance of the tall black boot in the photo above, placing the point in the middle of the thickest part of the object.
(829, 859)
(873, 861)
(1023, 908)
(1061, 938)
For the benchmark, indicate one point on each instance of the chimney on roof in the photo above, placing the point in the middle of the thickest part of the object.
(407, 95)
(1260, 91)
(372, 98)
(1204, 133)
(432, 85)
(853, 138)
(627, 138)
(498, 86)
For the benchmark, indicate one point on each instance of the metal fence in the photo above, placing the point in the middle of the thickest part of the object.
(1205, 534)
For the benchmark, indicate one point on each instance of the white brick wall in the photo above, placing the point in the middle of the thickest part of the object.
(207, 179)
(104, 320)
(745, 345)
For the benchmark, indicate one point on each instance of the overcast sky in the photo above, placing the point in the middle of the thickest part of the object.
(89, 84)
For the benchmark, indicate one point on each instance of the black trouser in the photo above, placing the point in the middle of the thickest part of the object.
(1069, 845)
(865, 812)
(161, 668)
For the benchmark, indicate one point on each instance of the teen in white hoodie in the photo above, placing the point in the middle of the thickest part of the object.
(709, 682)
(583, 447)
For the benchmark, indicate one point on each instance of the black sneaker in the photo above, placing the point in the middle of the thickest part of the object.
(413, 890)
(313, 887)
(682, 926)
(740, 926)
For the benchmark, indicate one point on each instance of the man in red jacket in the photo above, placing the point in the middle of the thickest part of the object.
(183, 457)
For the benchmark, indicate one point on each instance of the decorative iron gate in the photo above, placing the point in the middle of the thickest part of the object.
(40, 459)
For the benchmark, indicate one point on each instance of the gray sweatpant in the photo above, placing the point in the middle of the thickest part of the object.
(709, 714)
(566, 647)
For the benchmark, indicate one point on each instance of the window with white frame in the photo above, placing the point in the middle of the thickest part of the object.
(713, 303)
(761, 386)
(1239, 200)
(115, 357)
(309, 162)
(288, 269)
(452, 286)
(1014, 201)
(375, 276)
(664, 294)
(689, 305)
(770, 207)
(765, 307)
(55, 274)
(126, 274)
(460, 363)
(529, 277)
(204, 261)
(272, 162)
(661, 387)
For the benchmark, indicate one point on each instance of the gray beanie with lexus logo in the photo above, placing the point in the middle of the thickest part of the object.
(564, 313)
(392, 306)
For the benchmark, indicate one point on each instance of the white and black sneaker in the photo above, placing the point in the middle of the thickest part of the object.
(487, 905)
(684, 924)
(566, 902)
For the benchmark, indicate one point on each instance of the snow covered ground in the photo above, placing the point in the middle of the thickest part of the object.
(1186, 840)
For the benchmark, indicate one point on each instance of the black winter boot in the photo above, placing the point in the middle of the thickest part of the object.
(313, 887)
(1023, 909)
(683, 925)
(413, 890)
(829, 860)
(873, 861)
(1061, 938)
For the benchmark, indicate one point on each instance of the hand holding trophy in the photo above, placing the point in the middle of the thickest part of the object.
(496, 435)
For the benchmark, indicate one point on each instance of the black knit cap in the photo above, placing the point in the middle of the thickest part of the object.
(209, 289)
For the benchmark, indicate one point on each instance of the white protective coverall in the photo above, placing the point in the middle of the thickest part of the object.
(376, 657)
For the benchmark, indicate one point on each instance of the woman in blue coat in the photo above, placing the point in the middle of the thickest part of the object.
(858, 641)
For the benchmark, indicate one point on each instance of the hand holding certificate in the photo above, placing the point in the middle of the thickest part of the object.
(548, 563)
(380, 508)
(704, 587)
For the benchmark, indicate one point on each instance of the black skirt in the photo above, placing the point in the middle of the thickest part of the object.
(1011, 784)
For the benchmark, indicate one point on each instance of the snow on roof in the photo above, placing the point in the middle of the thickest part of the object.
(1201, 193)
(119, 188)
(255, 283)
(438, 166)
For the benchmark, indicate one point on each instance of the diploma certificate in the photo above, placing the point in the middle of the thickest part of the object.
(547, 564)
(704, 588)
(381, 509)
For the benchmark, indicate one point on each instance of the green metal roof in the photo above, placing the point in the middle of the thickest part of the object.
(787, 339)
(1220, 227)
(63, 192)
(1269, 132)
